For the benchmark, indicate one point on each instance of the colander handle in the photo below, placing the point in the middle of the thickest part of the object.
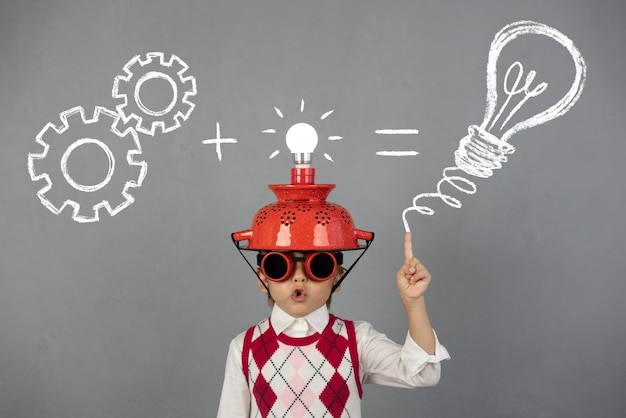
(364, 235)
(242, 235)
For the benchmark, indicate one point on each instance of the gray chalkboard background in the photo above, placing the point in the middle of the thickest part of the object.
(131, 316)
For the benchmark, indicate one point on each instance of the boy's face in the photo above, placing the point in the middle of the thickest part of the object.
(299, 295)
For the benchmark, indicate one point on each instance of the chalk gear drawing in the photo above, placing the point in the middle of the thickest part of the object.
(130, 88)
(102, 135)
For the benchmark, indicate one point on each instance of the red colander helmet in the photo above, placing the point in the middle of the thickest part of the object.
(302, 220)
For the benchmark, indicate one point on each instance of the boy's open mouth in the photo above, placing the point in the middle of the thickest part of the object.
(298, 295)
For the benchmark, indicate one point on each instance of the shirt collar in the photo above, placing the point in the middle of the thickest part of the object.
(318, 319)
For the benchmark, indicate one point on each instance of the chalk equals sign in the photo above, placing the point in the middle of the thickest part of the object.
(397, 132)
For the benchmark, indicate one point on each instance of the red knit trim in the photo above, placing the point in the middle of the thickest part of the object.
(247, 340)
(354, 354)
(298, 341)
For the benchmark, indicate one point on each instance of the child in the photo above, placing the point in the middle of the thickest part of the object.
(303, 361)
(299, 314)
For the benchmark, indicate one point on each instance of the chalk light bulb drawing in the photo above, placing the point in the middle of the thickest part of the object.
(301, 140)
(486, 146)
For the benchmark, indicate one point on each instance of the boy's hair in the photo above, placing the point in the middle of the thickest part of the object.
(340, 271)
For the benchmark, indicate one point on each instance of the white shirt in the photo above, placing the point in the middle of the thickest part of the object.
(381, 360)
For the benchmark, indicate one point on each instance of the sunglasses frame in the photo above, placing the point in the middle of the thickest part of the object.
(363, 250)
(308, 259)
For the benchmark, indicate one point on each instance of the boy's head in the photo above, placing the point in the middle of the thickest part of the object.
(298, 282)
(300, 239)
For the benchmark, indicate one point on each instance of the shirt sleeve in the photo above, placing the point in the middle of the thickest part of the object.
(235, 399)
(384, 362)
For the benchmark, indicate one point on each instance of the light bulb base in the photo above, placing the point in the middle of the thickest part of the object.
(481, 152)
(302, 158)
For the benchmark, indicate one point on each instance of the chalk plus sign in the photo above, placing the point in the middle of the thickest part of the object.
(218, 141)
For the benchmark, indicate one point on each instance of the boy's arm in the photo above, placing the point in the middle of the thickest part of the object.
(384, 362)
(412, 279)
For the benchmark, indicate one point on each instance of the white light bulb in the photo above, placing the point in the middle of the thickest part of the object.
(301, 140)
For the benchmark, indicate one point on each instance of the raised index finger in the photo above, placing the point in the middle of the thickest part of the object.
(408, 247)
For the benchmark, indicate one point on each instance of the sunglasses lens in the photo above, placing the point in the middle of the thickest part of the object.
(275, 266)
(322, 266)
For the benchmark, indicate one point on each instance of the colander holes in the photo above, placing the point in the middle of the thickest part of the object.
(278, 208)
(322, 218)
(288, 218)
(261, 216)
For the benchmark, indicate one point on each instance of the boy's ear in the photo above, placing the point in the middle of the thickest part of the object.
(340, 272)
(261, 278)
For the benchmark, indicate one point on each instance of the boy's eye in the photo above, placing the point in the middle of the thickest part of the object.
(322, 265)
(275, 266)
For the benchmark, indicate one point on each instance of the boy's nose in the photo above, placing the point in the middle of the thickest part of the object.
(299, 275)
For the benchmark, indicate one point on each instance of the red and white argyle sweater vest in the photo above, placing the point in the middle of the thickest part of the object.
(315, 376)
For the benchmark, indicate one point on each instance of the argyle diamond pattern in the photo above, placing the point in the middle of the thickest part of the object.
(292, 380)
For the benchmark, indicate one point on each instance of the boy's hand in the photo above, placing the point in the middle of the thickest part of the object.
(412, 278)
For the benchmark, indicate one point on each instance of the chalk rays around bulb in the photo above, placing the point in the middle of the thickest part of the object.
(309, 128)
